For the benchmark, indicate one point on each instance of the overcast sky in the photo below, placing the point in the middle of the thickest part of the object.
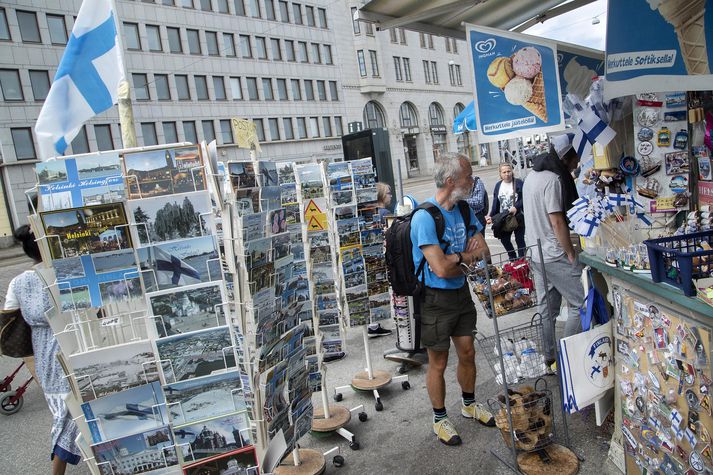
(576, 26)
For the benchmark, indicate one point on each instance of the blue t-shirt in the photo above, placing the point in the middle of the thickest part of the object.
(423, 233)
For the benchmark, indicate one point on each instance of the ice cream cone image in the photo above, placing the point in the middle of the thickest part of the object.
(520, 79)
(687, 18)
(537, 104)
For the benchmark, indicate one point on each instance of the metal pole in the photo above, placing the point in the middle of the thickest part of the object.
(400, 191)
(325, 402)
(126, 111)
(367, 353)
(296, 457)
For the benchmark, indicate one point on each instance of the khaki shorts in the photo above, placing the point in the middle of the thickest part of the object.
(446, 313)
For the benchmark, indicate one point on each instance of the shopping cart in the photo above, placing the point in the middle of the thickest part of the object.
(11, 401)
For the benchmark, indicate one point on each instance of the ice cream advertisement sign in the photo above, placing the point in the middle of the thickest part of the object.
(577, 67)
(672, 49)
(517, 88)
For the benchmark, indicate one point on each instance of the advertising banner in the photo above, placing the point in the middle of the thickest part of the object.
(517, 86)
(671, 50)
(577, 66)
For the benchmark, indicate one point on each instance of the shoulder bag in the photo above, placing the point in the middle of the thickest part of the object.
(15, 334)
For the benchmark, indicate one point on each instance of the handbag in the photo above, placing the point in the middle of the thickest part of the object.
(511, 223)
(15, 335)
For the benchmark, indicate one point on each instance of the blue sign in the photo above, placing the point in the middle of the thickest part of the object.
(671, 50)
(517, 89)
(577, 69)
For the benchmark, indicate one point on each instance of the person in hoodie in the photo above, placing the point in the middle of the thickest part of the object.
(549, 191)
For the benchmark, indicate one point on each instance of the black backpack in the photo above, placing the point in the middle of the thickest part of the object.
(404, 278)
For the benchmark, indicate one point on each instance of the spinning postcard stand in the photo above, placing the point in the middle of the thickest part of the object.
(358, 230)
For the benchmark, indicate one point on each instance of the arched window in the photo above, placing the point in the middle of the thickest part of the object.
(457, 109)
(408, 115)
(374, 115)
(435, 114)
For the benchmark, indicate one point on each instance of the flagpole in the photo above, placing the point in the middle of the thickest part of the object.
(126, 110)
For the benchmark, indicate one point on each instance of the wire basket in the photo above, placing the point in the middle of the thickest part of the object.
(532, 415)
(522, 351)
(510, 283)
(678, 260)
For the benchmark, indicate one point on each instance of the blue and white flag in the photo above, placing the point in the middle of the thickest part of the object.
(591, 129)
(87, 78)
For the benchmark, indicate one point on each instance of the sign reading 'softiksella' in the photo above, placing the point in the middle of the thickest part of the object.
(658, 46)
(517, 86)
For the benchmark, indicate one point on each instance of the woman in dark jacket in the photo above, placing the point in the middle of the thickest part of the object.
(507, 196)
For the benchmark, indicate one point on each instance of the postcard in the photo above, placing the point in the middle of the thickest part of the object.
(282, 246)
(270, 198)
(345, 212)
(273, 382)
(366, 196)
(362, 166)
(328, 317)
(133, 410)
(247, 200)
(277, 221)
(288, 193)
(73, 182)
(239, 462)
(312, 190)
(267, 174)
(138, 453)
(164, 171)
(99, 279)
(380, 313)
(261, 277)
(356, 293)
(254, 226)
(315, 382)
(106, 371)
(358, 318)
(171, 217)
(187, 309)
(293, 214)
(354, 279)
(213, 436)
(201, 398)
(179, 263)
(195, 354)
(242, 175)
(87, 230)
(258, 252)
(364, 181)
(309, 173)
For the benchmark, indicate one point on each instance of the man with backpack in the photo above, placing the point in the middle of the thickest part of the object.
(445, 234)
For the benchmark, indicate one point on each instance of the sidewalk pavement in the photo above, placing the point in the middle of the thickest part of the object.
(11, 252)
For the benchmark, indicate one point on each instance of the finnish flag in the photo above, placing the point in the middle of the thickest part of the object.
(87, 78)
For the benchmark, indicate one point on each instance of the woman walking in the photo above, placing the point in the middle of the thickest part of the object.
(27, 292)
(507, 196)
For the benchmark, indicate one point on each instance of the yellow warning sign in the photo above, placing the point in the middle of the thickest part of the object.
(311, 208)
(317, 222)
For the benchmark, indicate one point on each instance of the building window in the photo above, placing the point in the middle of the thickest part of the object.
(10, 85)
(270, 9)
(148, 130)
(141, 87)
(422, 39)
(407, 115)
(374, 63)
(236, 91)
(187, 3)
(163, 92)
(189, 131)
(275, 49)
(459, 80)
(430, 41)
(208, 130)
(153, 33)
(328, 54)
(302, 52)
(290, 50)
(260, 129)
(316, 54)
(362, 63)
(104, 138)
(321, 90)
(434, 72)
(229, 44)
(274, 127)
(170, 133)
(284, 12)
(222, 6)
(454, 46)
(451, 74)
(373, 115)
(393, 35)
(309, 13)
(182, 90)
(226, 131)
(435, 114)
(296, 90)
(174, 40)
(314, 127)
(194, 42)
(355, 24)
(448, 45)
(254, 8)
(301, 128)
(309, 90)
(22, 141)
(369, 29)
(261, 47)
(239, 7)
(211, 41)
(267, 94)
(333, 90)
(80, 143)
(327, 126)
(245, 48)
(206, 6)
(407, 69)
(338, 126)
(402, 36)
(252, 89)
(131, 33)
(322, 15)
(287, 127)
(168, 3)
(29, 30)
(397, 68)
(297, 13)
(4, 28)
(282, 89)
(201, 88)
(427, 72)
(58, 29)
(219, 88)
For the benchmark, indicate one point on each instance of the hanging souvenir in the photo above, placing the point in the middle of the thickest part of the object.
(663, 138)
(645, 134)
(645, 148)
(649, 188)
(678, 184)
(647, 117)
(681, 140)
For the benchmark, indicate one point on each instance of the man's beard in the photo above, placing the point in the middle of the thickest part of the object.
(459, 194)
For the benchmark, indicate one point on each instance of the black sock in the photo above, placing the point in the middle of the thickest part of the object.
(439, 414)
(468, 399)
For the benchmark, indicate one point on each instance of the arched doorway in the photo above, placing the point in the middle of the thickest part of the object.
(408, 119)
(437, 121)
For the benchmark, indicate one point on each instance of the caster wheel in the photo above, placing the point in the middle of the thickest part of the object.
(7, 405)
(378, 406)
(354, 445)
(338, 461)
(5, 389)
(363, 416)
(338, 397)
(401, 370)
(406, 385)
